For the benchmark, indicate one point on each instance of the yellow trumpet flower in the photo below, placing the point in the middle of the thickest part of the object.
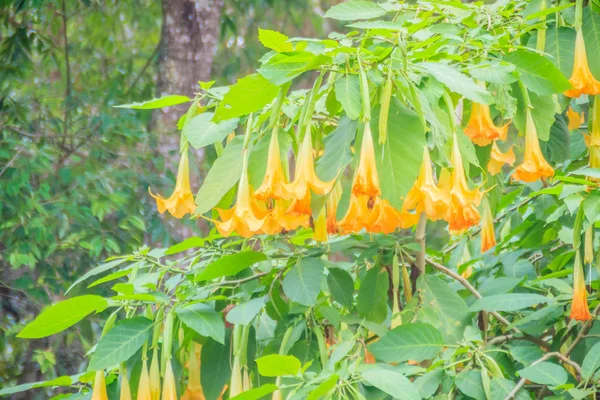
(366, 180)
(488, 236)
(534, 164)
(579, 306)
(99, 391)
(274, 184)
(582, 79)
(575, 119)
(170, 387)
(481, 129)
(498, 159)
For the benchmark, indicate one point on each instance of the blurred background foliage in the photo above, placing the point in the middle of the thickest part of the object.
(74, 172)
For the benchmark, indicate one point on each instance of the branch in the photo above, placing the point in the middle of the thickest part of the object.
(582, 333)
(8, 164)
(420, 239)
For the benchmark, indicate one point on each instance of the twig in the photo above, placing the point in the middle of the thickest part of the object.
(420, 239)
(242, 280)
(582, 333)
(11, 161)
(545, 357)
(144, 68)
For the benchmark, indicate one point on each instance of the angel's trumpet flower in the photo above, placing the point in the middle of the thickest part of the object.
(194, 387)
(575, 119)
(481, 129)
(366, 180)
(331, 206)
(170, 387)
(155, 376)
(488, 237)
(579, 306)
(144, 392)
(534, 164)
(498, 159)
(274, 185)
(582, 79)
(99, 391)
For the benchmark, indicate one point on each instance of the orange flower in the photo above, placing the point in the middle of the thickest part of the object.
(481, 129)
(386, 219)
(305, 177)
(575, 119)
(462, 210)
(582, 79)
(534, 164)
(331, 206)
(366, 181)
(154, 377)
(467, 272)
(170, 387)
(498, 159)
(320, 228)
(194, 387)
(181, 201)
(488, 237)
(357, 216)
(244, 217)
(425, 196)
(579, 305)
(144, 384)
(125, 388)
(274, 184)
(99, 391)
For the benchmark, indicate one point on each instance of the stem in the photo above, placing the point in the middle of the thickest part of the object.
(248, 131)
(450, 107)
(420, 239)
(364, 91)
(277, 106)
(578, 14)
(541, 38)
(525, 94)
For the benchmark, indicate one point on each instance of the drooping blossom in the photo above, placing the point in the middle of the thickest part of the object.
(274, 185)
(582, 79)
(99, 390)
(488, 236)
(169, 391)
(498, 159)
(194, 390)
(534, 165)
(579, 306)
(575, 119)
(481, 128)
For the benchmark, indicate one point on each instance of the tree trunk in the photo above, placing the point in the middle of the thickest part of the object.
(189, 36)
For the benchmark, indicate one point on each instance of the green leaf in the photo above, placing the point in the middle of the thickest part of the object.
(501, 388)
(428, 384)
(545, 373)
(591, 36)
(336, 152)
(161, 102)
(201, 131)
(542, 114)
(494, 72)
(508, 302)
(397, 159)
(63, 315)
(230, 265)
(560, 44)
(324, 388)
(60, 381)
(347, 92)
(557, 148)
(443, 308)
(391, 382)
(215, 369)
(95, 271)
(302, 283)
(470, 383)
(538, 73)
(282, 68)
(278, 365)
(204, 320)
(189, 243)
(591, 362)
(415, 341)
(224, 173)
(458, 82)
(355, 9)
(371, 302)
(248, 95)
(120, 343)
(274, 40)
(257, 393)
(341, 286)
(244, 313)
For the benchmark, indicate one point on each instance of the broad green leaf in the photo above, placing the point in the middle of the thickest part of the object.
(508, 302)
(443, 308)
(557, 148)
(257, 393)
(189, 243)
(347, 92)
(215, 368)
(244, 313)
(278, 365)
(560, 44)
(458, 82)
(324, 388)
(591, 36)
(202, 131)
(274, 40)
(415, 341)
(503, 387)
(494, 72)
(60, 381)
(230, 265)
(545, 373)
(282, 68)
(302, 283)
(538, 73)
(371, 302)
(224, 173)
(341, 286)
(95, 271)
(248, 95)
(336, 152)
(428, 384)
(110, 277)
(203, 319)
(60, 316)
(591, 362)
(526, 354)
(498, 285)
(397, 159)
(120, 343)
(470, 383)
(391, 382)
(355, 9)
(161, 102)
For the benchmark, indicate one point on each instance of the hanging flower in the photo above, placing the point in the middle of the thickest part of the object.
(170, 388)
(425, 195)
(357, 216)
(386, 219)
(575, 119)
(320, 228)
(305, 177)
(280, 218)
(582, 79)
(534, 164)
(481, 129)
(331, 206)
(154, 377)
(99, 391)
(194, 387)
(125, 388)
(498, 159)
(579, 305)
(244, 217)
(366, 180)
(181, 201)
(274, 184)
(488, 237)
(144, 392)
(462, 210)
